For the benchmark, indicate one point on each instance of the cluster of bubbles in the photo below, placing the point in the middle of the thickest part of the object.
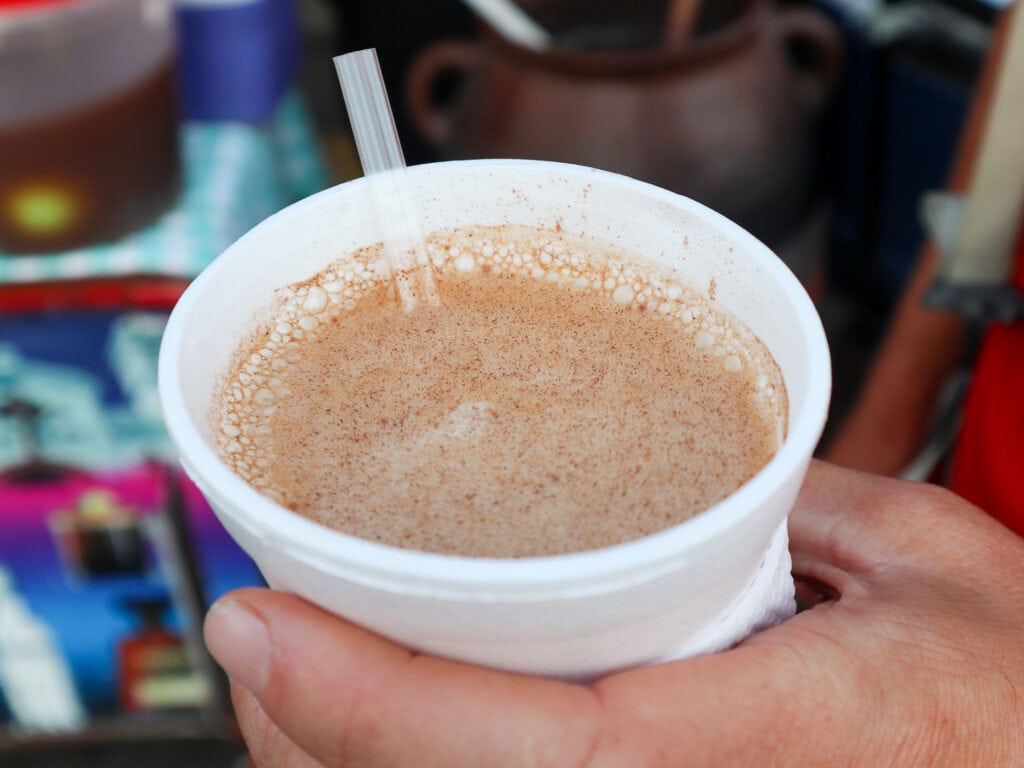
(254, 387)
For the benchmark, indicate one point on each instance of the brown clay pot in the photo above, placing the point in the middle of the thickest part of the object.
(727, 117)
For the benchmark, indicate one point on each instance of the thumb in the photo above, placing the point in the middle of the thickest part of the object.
(337, 691)
(345, 696)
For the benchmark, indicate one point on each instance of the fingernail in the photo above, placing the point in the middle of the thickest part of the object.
(238, 639)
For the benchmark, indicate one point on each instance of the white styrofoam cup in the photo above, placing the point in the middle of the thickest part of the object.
(696, 587)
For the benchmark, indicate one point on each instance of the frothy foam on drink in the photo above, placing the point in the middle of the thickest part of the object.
(564, 397)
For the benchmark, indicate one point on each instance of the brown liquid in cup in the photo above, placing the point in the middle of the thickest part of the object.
(563, 397)
(93, 174)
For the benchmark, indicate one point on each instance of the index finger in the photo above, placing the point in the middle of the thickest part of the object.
(864, 525)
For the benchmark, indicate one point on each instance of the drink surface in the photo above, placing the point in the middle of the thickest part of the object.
(563, 397)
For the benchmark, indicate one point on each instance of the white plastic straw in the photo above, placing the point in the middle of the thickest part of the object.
(380, 152)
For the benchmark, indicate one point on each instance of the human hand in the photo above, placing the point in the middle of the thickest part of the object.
(912, 658)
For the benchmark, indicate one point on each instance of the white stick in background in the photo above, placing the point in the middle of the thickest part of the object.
(995, 196)
(512, 23)
(380, 152)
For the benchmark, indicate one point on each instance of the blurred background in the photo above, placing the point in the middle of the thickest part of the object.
(138, 138)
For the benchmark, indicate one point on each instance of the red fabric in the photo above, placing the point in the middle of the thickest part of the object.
(15, 5)
(988, 468)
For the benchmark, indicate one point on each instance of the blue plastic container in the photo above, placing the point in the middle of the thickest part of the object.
(237, 57)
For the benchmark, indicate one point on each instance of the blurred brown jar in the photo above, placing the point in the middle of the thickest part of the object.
(727, 116)
(89, 147)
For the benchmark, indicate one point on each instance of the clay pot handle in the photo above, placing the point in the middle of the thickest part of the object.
(434, 119)
(811, 30)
